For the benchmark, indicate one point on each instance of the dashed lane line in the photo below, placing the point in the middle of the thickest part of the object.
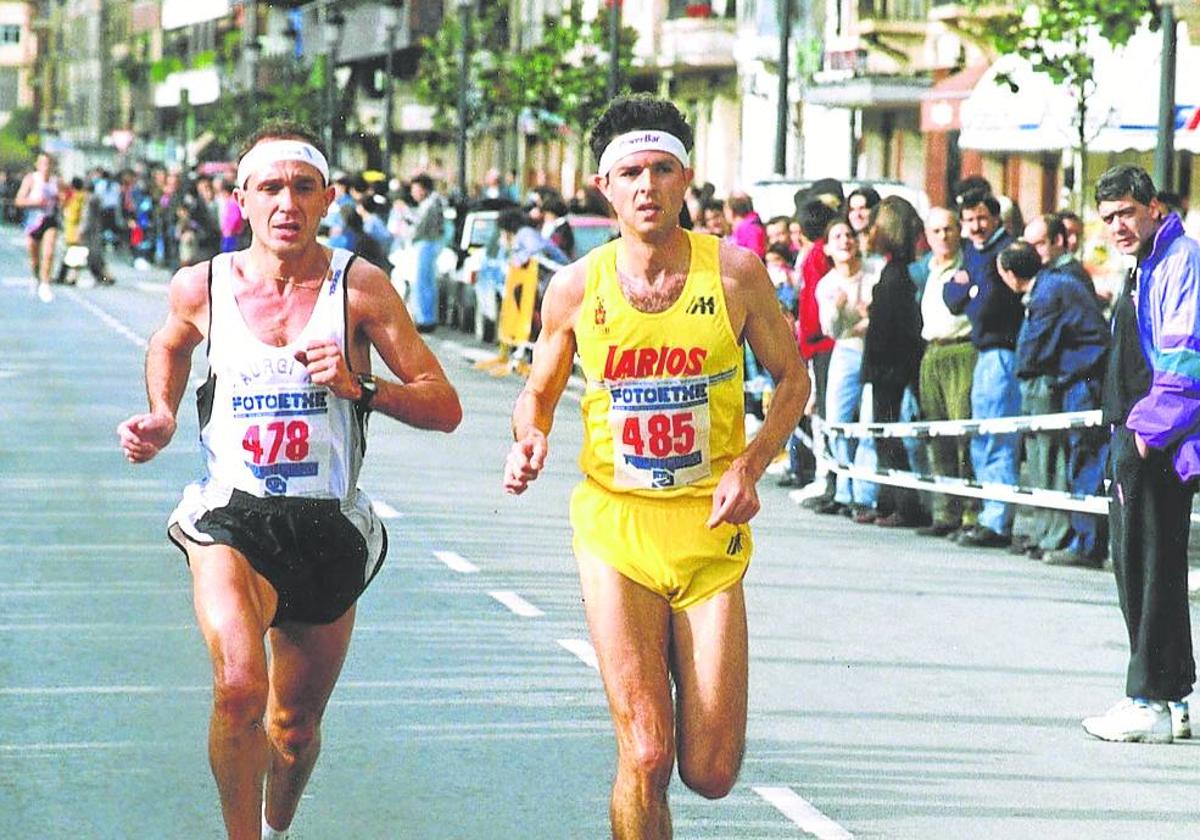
(108, 320)
(801, 812)
(384, 510)
(583, 650)
(516, 603)
(456, 562)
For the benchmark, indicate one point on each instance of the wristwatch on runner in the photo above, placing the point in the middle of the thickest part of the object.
(369, 387)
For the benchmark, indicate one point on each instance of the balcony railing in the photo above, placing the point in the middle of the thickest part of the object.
(894, 10)
(702, 9)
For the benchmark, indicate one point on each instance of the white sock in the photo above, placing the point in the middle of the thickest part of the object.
(269, 833)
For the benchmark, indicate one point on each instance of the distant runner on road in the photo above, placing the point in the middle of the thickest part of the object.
(279, 539)
(659, 318)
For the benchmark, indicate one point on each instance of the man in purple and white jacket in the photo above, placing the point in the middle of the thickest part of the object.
(1152, 401)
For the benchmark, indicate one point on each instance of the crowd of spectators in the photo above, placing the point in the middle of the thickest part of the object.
(967, 313)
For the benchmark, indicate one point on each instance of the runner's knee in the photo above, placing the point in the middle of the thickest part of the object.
(711, 773)
(293, 731)
(651, 759)
(239, 696)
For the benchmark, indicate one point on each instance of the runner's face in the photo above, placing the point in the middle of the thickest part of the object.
(646, 190)
(284, 204)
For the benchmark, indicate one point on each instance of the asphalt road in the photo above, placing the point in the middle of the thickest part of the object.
(900, 687)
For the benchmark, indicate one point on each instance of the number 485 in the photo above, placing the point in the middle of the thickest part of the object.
(662, 435)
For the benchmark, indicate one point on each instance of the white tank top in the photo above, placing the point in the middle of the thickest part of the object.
(266, 429)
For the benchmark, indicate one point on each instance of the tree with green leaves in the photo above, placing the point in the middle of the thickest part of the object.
(560, 80)
(1053, 36)
(490, 88)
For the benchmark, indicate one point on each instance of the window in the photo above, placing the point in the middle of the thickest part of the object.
(9, 88)
(10, 33)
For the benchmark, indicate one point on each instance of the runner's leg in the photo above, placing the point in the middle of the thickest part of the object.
(709, 661)
(305, 662)
(35, 251)
(629, 626)
(49, 239)
(234, 606)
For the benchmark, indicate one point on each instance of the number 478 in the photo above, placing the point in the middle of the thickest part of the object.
(292, 437)
(663, 434)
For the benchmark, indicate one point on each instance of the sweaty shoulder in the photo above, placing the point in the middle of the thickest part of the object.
(364, 277)
(565, 292)
(189, 294)
(745, 279)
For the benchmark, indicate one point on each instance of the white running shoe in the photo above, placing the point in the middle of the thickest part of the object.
(1141, 721)
(1181, 721)
(45, 295)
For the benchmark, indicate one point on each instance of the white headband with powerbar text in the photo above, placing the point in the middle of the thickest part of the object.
(633, 142)
(270, 152)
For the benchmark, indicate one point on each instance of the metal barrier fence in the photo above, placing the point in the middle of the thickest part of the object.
(924, 430)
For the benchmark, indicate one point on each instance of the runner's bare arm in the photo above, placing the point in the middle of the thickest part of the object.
(754, 309)
(168, 363)
(553, 356)
(423, 397)
(23, 198)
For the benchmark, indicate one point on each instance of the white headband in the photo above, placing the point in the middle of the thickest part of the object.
(642, 141)
(274, 151)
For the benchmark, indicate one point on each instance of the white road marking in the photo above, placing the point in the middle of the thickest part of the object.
(384, 510)
(797, 809)
(477, 354)
(153, 288)
(456, 562)
(583, 650)
(62, 746)
(109, 320)
(516, 603)
(17, 282)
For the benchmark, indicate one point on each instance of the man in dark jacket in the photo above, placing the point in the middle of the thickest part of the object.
(996, 313)
(1061, 350)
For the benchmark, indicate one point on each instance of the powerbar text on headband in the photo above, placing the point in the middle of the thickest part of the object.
(274, 151)
(633, 142)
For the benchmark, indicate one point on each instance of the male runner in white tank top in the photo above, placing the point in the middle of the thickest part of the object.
(279, 539)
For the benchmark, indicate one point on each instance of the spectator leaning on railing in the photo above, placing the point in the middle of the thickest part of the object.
(946, 370)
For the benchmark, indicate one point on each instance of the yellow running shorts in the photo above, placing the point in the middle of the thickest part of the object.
(661, 544)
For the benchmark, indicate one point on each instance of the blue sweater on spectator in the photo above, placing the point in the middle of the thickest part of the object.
(994, 309)
(1064, 336)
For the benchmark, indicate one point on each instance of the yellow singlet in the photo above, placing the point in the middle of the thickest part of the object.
(664, 410)
(663, 417)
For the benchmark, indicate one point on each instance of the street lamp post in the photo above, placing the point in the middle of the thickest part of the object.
(391, 22)
(781, 113)
(464, 12)
(614, 48)
(1164, 153)
(334, 23)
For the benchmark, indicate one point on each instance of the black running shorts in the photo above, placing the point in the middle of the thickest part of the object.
(316, 558)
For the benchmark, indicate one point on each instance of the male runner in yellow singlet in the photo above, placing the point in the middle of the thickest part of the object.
(658, 318)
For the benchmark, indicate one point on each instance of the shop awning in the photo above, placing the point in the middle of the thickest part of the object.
(1122, 114)
(868, 92)
(941, 105)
